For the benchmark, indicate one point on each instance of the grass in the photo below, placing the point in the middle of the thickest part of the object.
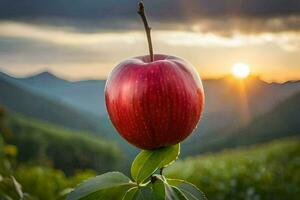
(268, 171)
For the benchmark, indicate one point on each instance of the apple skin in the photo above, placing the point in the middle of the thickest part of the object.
(154, 104)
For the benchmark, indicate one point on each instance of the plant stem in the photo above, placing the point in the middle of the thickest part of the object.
(141, 12)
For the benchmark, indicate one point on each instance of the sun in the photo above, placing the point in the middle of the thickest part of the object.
(240, 70)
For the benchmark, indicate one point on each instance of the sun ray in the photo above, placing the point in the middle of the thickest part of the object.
(241, 71)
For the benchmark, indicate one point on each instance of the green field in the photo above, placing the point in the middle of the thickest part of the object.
(268, 171)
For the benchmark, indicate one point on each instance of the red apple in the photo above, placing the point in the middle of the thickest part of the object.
(154, 104)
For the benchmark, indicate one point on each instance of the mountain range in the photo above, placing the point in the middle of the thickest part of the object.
(83, 95)
(282, 121)
(230, 103)
(18, 99)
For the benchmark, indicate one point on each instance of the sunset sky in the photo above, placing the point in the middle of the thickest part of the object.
(86, 39)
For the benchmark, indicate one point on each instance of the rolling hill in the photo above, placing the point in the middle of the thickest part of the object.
(282, 121)
(49, 145)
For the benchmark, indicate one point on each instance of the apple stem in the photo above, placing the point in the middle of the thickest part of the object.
(141, 12)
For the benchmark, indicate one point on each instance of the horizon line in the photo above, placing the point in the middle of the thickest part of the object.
(203, 78)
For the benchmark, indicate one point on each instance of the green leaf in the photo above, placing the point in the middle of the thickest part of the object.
(129, 195)
(10, 188)
(147, 162)
(164, 191)
(174, 189)
(174, 193)
(112, 185)
(28, 197)
(141, 193)
(190, 191)
(144, 193)
(158, 188)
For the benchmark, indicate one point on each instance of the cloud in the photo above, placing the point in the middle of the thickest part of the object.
(91, 42)
(216, 16)
(158, 9)
(255, 25)
(63, 37)
(289, 41)
(85, 38)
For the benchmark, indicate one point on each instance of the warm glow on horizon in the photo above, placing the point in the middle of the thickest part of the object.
(240, 70)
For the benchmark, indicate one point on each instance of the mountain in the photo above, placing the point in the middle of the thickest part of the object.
(281, 121)
(230, 103)
(229, 93)
(49, 98)
(222, 104)
(83, 95)
(19, 99)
